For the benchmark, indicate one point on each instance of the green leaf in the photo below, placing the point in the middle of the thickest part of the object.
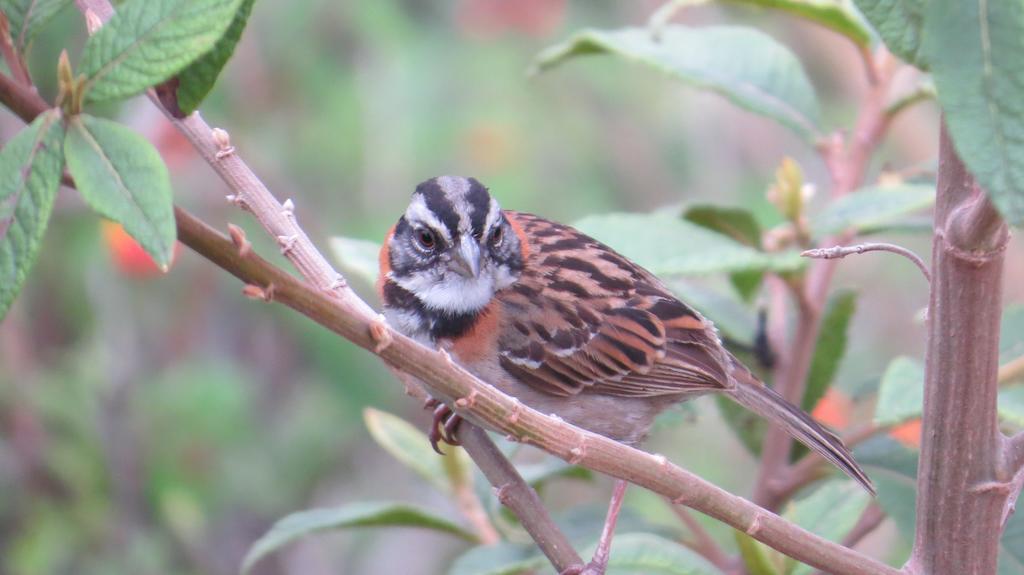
(1011, 405)
(536, 474)
(666, 245)
(899, 23)
(745, 66)
(356, 256)
(1011, 333)
(748, 426)
(736, 223)
(872, 207)
(362, 514)
(901, 393)
(831, 346)
(648, 554)
(121, 175)
(500, 559)
(148, 41)
(747, 284)
(1011, 555)
(830, 511)
(974, 50)
(758, 558)
(836, 16)
(893, 469)
(196, 81)
(27, 17)
(410, 446)
(30, 171)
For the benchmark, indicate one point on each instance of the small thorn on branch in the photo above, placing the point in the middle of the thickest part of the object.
(381, 334)
(576, 454)
(467, 402)
(238, 238)
(223, 141)
(843, 251)
(258, 293)
(287, 243)
(288, 209)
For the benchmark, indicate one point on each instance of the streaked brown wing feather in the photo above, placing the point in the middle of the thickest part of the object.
(582, 318)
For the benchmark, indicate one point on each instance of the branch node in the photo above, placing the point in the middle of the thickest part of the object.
(468, 401)
(755, 526)
(258, 293)
(660, 459)
(287, 243)
(338, 283)
(517, 408)
(380, 333)
(223, 141)
(681, 499)
(447, 357)
(576, 454)
(502, 493)
(511, 437)
(237, 201)
(238, 238)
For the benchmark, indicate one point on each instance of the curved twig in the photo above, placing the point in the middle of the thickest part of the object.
(843, 251)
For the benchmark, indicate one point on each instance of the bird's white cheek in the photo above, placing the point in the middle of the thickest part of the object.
(452, 293)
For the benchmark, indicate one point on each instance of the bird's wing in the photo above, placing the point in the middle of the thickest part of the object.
(583, 318)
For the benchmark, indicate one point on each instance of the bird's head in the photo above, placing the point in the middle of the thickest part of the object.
(454, 247)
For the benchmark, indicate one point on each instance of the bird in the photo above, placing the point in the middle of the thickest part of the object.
(562, 322)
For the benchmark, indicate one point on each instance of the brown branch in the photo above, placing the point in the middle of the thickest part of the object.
(518, 496)
(964, 486)
(703, 543)
(838, 252)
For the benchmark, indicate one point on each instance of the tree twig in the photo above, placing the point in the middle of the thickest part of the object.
(847, 161)
(869, 520)
(516, 494)
(843, 251)
(703, 543)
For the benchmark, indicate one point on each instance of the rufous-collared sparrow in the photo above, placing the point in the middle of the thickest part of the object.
(561, 321)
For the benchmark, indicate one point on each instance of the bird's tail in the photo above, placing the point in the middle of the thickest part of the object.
(764, 401)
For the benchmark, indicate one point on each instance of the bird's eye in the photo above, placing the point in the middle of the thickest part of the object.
(496, 235)
(425, 238)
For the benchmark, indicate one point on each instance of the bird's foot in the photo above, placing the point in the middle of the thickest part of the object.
(443, 425)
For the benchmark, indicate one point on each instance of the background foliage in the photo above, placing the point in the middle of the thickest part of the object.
(155, 423)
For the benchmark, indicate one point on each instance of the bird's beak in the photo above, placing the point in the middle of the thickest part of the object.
(466, 259)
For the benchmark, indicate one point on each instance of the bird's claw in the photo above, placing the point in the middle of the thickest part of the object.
(443, 426)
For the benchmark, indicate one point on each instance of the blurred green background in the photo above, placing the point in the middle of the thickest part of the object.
(161, 423)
